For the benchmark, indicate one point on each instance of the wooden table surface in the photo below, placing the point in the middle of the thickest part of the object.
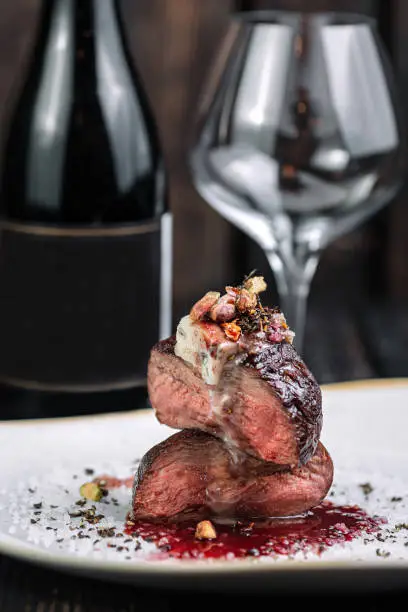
(373, 344)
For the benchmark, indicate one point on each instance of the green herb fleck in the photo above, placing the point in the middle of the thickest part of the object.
(366, 488)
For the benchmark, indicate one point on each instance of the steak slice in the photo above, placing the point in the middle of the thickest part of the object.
(191, 475)
(269, 406)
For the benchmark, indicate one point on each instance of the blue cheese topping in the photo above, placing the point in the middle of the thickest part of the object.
(191, 346)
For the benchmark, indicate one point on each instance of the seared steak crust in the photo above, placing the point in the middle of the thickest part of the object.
(272, 406)
(289, 377)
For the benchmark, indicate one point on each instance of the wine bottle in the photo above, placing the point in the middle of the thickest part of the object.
(85, 234)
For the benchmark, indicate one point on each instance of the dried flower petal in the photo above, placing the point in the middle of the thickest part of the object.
(275, 336)
(277, 320)
(231, 291)
(232, 331)
(246, 301)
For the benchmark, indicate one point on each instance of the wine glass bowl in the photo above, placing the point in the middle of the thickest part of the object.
(300, 138)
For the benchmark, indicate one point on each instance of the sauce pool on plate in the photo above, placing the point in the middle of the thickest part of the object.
(323, 527)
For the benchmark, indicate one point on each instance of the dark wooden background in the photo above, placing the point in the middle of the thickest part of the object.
(174, 42)
(358, 322)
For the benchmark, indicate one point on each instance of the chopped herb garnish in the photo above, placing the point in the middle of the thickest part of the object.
(75, 514)
(367, 488)
(382, 553)
(106, 532)
(165, 547)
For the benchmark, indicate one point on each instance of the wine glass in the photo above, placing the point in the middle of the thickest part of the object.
(300, 138)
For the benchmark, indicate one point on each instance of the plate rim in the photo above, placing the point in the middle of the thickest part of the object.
(13, 548)
(187, 566)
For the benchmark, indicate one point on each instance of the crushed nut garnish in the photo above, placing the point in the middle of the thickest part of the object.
(240, 311)
(91, 491)
(203, 306)
(246, 301)
(205, 530)
(256, 284)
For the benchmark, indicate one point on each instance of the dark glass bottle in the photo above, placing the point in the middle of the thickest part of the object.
(85, 235)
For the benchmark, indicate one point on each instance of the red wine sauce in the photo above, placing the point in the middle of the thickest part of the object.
(321, 528)
(111, 482)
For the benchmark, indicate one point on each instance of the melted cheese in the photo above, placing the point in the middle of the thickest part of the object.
(194, 347)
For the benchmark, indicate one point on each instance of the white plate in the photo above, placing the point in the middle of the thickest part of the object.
(365, 430)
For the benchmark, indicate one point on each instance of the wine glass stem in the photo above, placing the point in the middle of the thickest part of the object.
(293, 276)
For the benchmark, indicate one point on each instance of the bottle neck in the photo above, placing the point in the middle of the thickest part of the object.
(82, 135)
(81, 21)
(79, 8)
(82, 33)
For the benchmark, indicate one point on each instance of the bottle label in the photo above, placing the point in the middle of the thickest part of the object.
(80, 308)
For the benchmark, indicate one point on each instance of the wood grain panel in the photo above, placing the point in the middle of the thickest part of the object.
(353, 6)
(17, 23)
(174, 43)
(396, 250)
